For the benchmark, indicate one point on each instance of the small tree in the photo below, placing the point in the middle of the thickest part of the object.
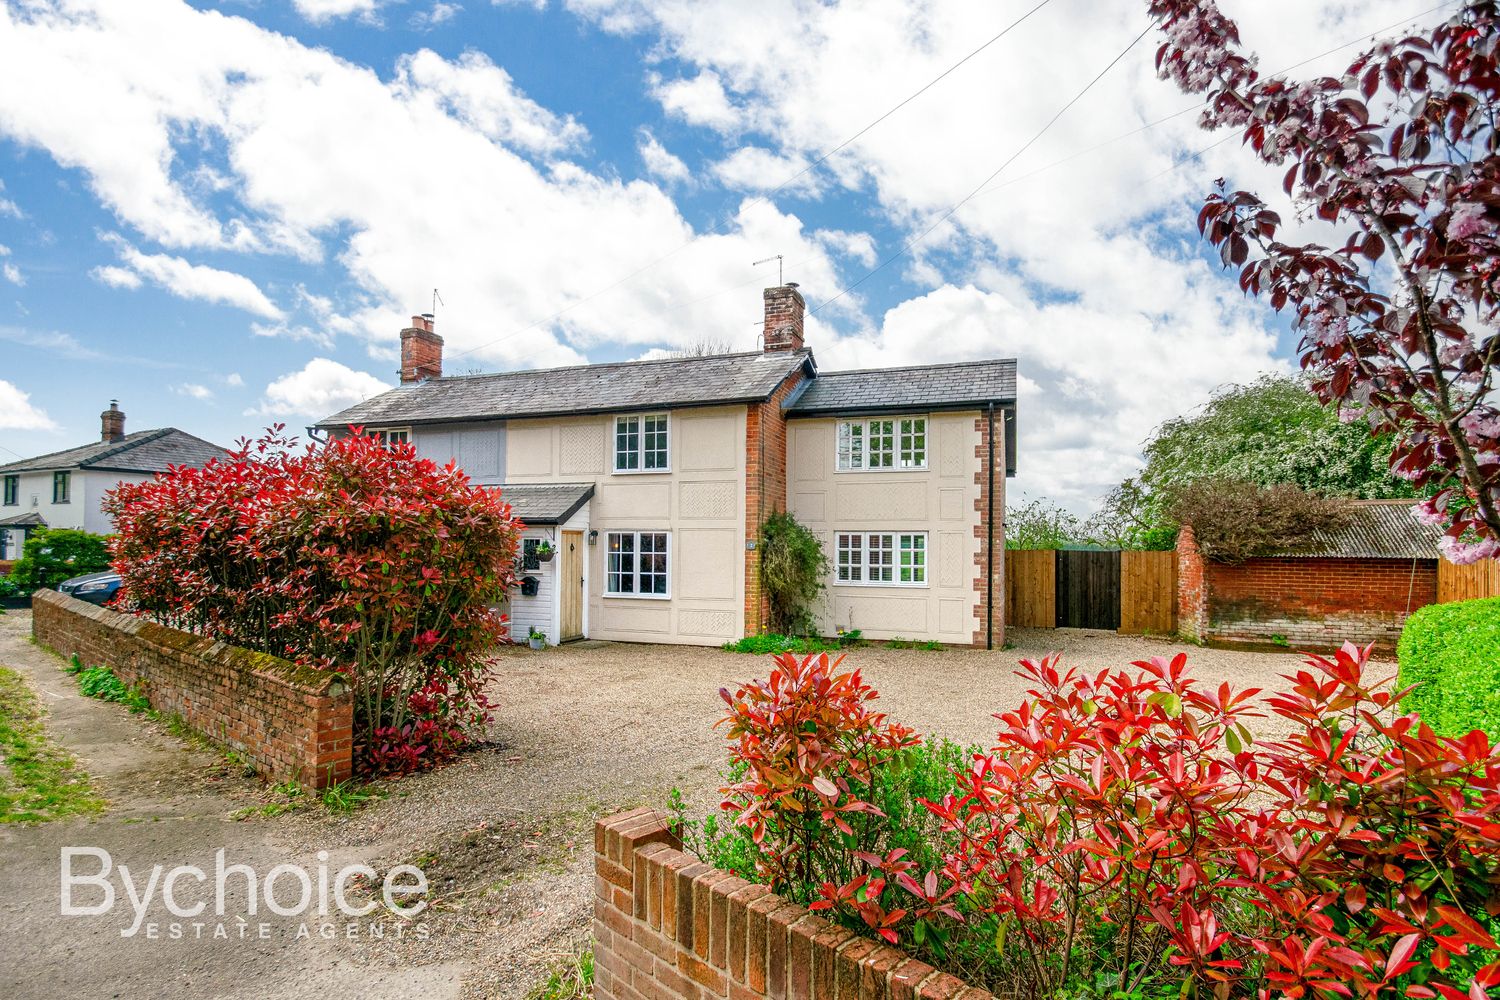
(1399, 325)
(1040, 524)
(352, 556)
(53, 555)
(793, 574)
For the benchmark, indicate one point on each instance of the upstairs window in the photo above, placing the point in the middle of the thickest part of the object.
(882, 444)
(12, 490)
(62, 484)
(641, 443)
(389, 436)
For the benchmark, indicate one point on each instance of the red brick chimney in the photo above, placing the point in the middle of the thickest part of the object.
(112, 423)
(421, 351)
(784, 309)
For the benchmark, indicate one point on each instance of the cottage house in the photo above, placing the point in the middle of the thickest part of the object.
(65, 489)
(648, 482)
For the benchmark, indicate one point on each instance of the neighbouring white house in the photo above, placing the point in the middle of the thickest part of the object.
(65, 489)
(649, 482)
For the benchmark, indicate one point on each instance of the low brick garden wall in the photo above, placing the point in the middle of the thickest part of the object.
(289, 722)
(668, 926)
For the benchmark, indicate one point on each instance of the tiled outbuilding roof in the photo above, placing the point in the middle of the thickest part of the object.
(1377, 529)
(546, 503)
(924, 387)
(31, 519)
(602, 388)
(143, 451)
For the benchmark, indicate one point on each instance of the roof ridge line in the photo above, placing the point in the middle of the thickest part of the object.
(908, 368)
(617, 364)
(125, 445)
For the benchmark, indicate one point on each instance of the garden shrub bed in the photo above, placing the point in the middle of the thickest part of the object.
(1451, 653)
(1126, 836)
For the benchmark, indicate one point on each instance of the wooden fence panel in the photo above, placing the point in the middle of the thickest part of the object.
(1030, 588)
(1148, 593)
(1468, 583)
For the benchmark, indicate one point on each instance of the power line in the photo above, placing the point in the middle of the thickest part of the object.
(767, 196)
(982, 184)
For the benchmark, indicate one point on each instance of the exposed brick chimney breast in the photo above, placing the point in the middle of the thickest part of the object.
(784, 309)
(112, 423)
(421, 351)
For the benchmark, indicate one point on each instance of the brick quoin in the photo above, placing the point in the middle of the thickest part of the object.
(986, 425)
(765, 488)
(670, 927)
(290, 723)
(1313, 602)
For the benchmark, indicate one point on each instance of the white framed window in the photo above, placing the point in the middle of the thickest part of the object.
(638, 564)
(882, 444)
(391, 435)
(881, 558)
(642, 443)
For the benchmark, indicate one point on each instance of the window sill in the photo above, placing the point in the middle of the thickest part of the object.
(637, 597)
(641, 472)
(880, 586)
(882, 470)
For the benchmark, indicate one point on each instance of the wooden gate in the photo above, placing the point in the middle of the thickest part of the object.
(1088, 589)
(1148, 593)
(1031, 588)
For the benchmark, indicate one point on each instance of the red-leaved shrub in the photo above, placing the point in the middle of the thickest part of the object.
(349, 555)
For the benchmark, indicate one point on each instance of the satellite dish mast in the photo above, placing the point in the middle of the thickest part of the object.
(777, 258)
(436, 299)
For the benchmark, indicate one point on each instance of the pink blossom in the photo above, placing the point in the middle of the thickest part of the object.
(1427, 513)
(1465, 553)
(1468, 219)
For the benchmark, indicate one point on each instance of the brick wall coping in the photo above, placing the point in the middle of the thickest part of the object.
(315, 682)
(666, 925)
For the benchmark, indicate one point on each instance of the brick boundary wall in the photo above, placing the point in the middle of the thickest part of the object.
(669, 927)
(982, 424)
(1313, 603)
(289, 722)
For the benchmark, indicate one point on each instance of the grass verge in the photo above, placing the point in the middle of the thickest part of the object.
(41, 781)
(573, 980)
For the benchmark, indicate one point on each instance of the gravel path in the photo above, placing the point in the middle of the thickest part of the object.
(590, 728)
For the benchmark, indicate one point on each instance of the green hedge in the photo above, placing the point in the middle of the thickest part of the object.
(1452, 653)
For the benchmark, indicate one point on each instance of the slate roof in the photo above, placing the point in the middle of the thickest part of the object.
(31, 519)
(143, 451)
(922, 387)
(601, 388)
(1377, 529)
(546, 503)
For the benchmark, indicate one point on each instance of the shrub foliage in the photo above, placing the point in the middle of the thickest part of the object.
(1451, 654)
(1127, 837)
(53, 555)
(1234, 520)
(793, 568)
(349, 556)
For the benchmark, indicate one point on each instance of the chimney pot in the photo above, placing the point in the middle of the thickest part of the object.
(112, 423)
(785, 310)
(421, 351)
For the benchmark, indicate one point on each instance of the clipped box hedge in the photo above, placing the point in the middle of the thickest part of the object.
(1452, 653)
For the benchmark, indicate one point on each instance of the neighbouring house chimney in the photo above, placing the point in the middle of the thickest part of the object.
(784, 308)
(421, 351)
(112, 423)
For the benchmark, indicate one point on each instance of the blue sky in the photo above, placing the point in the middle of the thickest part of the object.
(221, 213)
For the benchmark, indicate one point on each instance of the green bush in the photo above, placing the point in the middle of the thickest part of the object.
(102, 683)
(53, 555)
(1451, 652)
(793, 569)
(772, 642)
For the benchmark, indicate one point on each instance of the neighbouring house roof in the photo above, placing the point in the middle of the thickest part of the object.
(602, 388)
(961, 385)
(1376, 529)
(546, 503)
(28, 520)
(143, 451)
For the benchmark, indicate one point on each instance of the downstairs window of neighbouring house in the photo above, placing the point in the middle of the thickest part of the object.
(638, 564)
(881, 558)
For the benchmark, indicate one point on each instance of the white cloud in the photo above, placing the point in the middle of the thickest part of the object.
(755, 168)
(859, 247)
(116, 277)
(292, 331)
(482, 95)
(12, 274)
(660, 162)
(699, 101)
(193, 390)
(321, 387)
(234, 380)
(8, 207)
(17, 413)
(439, 13)
(188, 281)
(323, 11)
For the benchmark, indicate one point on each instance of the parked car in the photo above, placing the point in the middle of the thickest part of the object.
(96, 588)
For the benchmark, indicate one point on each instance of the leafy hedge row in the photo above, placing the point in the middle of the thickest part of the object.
(1452, 653)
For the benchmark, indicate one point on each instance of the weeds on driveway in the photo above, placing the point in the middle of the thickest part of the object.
(573, 980)
(41, 781)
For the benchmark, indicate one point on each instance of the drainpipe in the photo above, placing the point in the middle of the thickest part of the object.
(989, 545)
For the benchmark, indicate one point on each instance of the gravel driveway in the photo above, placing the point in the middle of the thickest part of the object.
(504, 834)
